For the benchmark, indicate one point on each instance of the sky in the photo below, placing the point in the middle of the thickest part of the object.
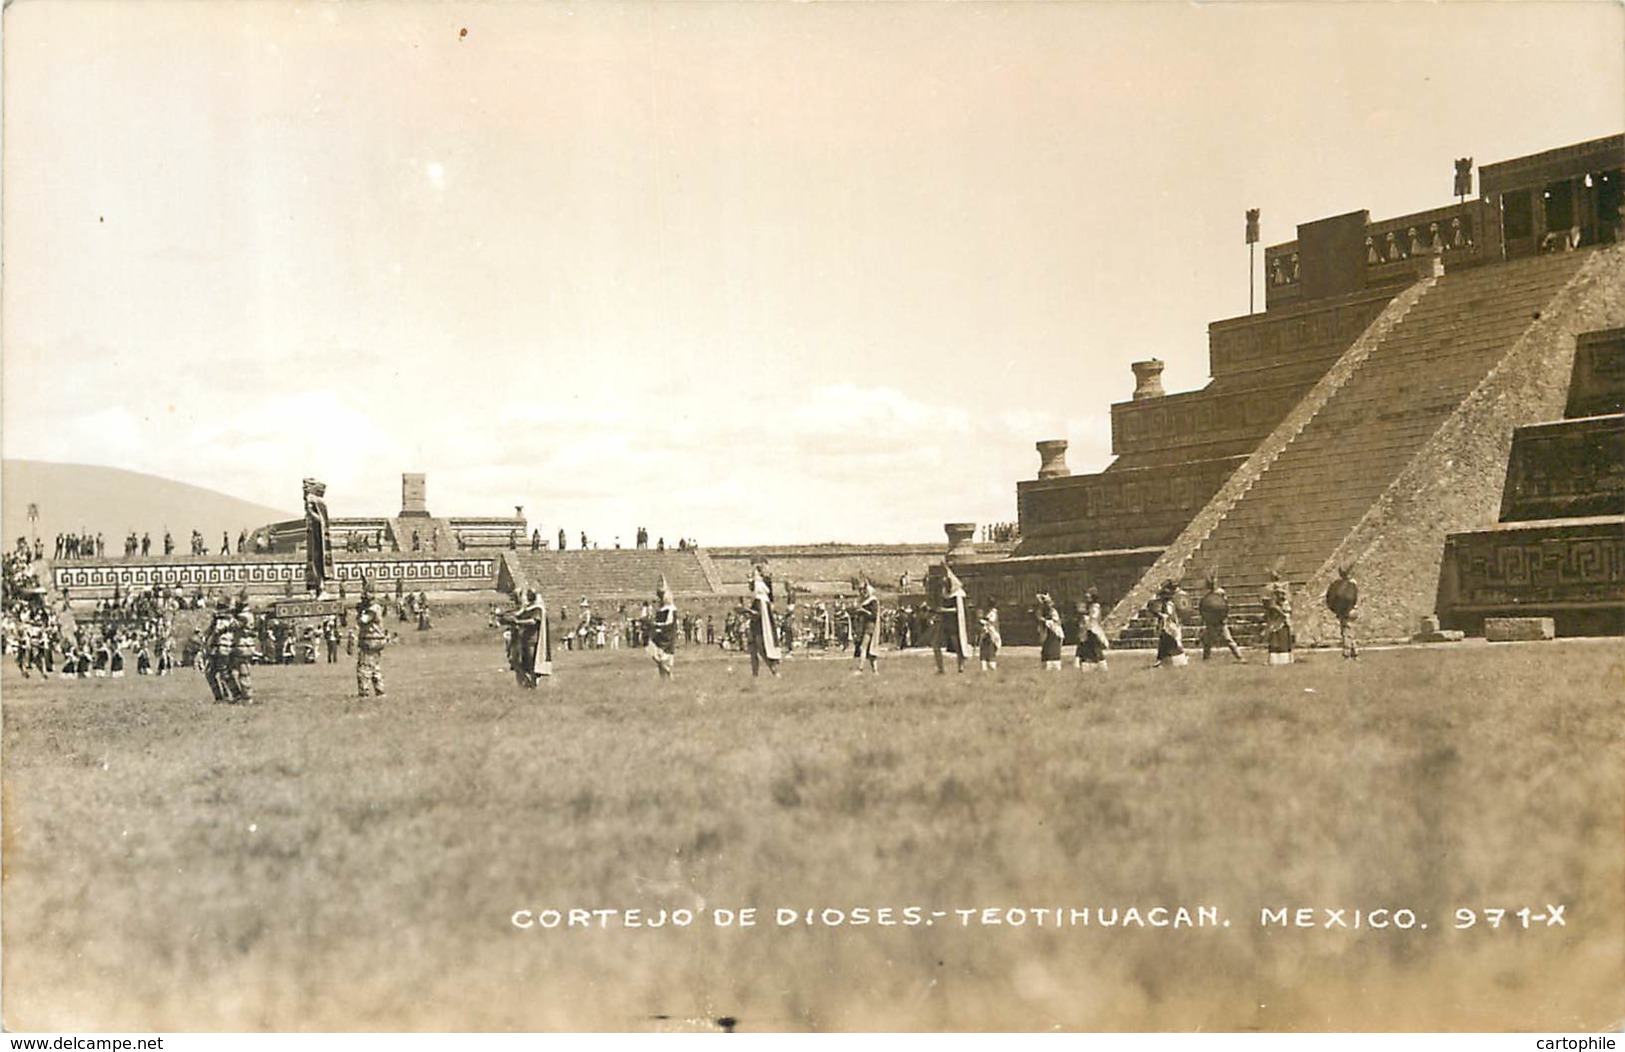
(747, 273)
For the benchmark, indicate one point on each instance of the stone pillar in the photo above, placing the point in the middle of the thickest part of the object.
(414, 495)
(1147, 379)
(961, 538)
(1053, 462)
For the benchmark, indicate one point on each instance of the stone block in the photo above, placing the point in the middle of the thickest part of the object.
(1448, 635)
(1514, 629)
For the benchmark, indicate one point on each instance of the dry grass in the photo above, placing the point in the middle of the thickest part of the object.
(317, 862)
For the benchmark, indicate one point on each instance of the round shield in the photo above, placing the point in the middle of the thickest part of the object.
(1214, 607)
(1341, 596)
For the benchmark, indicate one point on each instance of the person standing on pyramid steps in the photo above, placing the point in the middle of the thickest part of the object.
(1341, 595)
(1215, 612)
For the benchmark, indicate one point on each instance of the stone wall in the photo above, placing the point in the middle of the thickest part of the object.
(266, 574)
(1130, 508)
(1572, 572)
(1282, 337)
(1566, 469)
(1599, 374)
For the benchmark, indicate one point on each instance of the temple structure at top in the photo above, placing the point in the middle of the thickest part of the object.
(414, 529)
(1393, 356)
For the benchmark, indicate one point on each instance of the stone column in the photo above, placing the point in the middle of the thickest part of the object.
(1147, 378)
(961, 538)
(414, 494)
(1053, 462)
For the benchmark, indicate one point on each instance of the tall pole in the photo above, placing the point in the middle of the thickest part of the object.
(1252, 244)
(1252, 281)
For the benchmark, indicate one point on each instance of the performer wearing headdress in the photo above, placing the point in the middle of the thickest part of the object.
(1278, 621)
(867, 636)
(1092, 643)
(370, 641)
(217, 645)
(1170, 634)
(1051, 632)
(764, 636)
(951, 619)
(663, 630)
(991, 640)
(245, 648)
(530, 640)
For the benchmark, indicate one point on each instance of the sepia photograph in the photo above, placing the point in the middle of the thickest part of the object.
(795, 517)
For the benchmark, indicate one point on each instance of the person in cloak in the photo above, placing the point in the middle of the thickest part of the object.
(1170, 633)
(991, 640)
(867, 636)
(1051, 633)
(1092, 643)
(530, 640)
(1278, 621)
(951, 620)
(663, 631)
(764, 635)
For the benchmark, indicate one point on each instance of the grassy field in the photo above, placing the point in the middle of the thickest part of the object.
(318, 862)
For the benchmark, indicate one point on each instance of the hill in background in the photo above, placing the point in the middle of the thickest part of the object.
(112, 501)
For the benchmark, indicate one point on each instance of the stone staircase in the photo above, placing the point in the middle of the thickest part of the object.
(603, 576)
(434, 536)
(1311, 481)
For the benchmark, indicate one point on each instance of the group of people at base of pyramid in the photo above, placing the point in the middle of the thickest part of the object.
(1214, 611)
(530, 650)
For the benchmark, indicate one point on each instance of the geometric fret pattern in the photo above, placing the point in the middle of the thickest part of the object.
(478, 572)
